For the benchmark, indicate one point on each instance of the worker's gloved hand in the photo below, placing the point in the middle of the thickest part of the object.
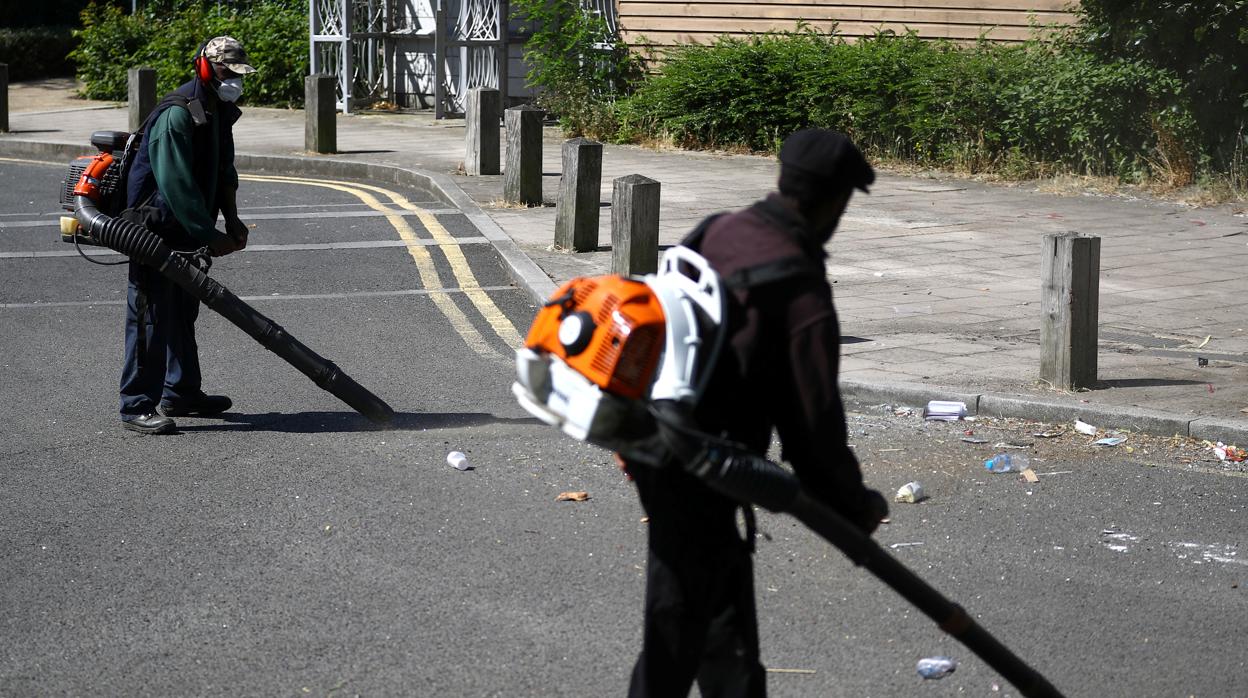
(238, 230)
(873, 509)
(222, 245)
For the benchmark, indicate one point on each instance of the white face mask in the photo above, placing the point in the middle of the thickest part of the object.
(230, 90)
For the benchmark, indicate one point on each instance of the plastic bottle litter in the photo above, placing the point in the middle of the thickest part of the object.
(458, 460)
(936, 667)
(1006, 462)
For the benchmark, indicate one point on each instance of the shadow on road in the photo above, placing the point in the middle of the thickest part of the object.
(333, 422)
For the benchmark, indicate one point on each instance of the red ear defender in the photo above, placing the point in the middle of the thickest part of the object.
(203, 69)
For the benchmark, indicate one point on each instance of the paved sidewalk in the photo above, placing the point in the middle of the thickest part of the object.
(936, 280)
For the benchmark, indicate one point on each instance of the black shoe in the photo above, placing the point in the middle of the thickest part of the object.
(149, 424)
(202, 405)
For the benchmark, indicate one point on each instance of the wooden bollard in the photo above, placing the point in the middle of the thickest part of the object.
(576, 215)
(522, 179)
(481, 141)
(320, 114)
(141, 95)
(634, 226)
(1070, 274)
(4, 97)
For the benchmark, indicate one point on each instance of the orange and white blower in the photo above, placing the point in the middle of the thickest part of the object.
(604, 349)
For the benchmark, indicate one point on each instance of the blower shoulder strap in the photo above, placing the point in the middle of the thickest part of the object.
(775, 271)
(173, 99)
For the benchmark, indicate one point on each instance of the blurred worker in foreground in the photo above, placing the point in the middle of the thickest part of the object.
(778, 370)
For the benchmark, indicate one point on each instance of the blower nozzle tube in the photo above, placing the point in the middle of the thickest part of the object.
(752, 479)
(145, 247)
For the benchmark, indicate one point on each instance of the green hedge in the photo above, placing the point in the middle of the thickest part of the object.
(37, 52)
(987, 106)
(275, 34)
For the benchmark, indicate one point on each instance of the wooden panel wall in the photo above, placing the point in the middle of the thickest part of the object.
(666, 22)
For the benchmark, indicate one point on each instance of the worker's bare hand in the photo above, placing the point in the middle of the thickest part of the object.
(222, 245)
(238, 230)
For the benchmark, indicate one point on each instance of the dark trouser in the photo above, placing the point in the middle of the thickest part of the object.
(162, 359)
(700, 619)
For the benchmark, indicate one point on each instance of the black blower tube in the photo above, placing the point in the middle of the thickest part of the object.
(748, 478)
(145, 247)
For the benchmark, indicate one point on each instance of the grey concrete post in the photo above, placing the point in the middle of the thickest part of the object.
(141, 95)
(4, 97)
(481, 143)
(634, 226)
(576, 215)
(320, 114)
(1070, 272)
(522, 178)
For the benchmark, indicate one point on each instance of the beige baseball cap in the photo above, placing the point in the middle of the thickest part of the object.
(229, 52)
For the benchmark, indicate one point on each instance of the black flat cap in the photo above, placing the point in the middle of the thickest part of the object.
(826, 156)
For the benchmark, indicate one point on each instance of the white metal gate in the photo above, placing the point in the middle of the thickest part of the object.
(422, 53)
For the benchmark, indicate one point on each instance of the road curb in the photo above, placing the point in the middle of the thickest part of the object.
(1052, 410)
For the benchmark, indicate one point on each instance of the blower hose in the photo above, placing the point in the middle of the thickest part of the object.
(143, 246)
(733, 471)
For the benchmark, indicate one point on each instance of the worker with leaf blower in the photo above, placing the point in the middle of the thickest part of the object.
(182, 176)
(684, 374)
(777, 370)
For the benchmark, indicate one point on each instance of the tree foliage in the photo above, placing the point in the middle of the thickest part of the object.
(275, 34)
(1204, 43)
(576, 64)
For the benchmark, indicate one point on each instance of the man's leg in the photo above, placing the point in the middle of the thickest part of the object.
(183, 386)
(692, 580)
(730, 665)
(672, 638)
(143, 372)
(182, 376)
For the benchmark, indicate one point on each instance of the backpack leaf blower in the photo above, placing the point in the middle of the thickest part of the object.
(621, 363)
(97, 180)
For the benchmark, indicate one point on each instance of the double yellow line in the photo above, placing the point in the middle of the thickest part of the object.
(429, 277)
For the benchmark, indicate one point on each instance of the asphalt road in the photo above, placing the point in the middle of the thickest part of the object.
(292, 548)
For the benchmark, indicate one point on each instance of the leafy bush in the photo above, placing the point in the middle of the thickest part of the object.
(274, 33)
(984, 106)
(1204, 43)
(36, 52)
(576, 64)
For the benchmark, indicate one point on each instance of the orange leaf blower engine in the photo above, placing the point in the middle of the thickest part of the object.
(603, 349)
